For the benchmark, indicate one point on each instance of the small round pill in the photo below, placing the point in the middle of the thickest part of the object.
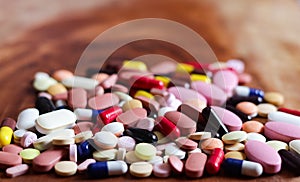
(126, 142)
(234, 137)
(278, 145)
(234, 147)
(140, 169)
(65, 168)
(248, 108)
(256, 136)
(235, 155)
(29, 154)
(145, 151)
(253, 126)
(208, 145)
(265, 108)
(274, 98)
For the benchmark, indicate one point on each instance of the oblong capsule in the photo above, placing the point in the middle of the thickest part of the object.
(247, 91)
(214, 161)
(167, 128)
(242, 167)
(105, 169)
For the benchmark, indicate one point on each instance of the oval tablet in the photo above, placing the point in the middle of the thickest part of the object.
(256, 136)
(229, 119)
(176, 164)
(29, 154)
(235, 155)
(115, 127)
(185, 124)
(162, 170)
(248, 108)
(186, 144)
(9, 159)
(104, 101)
(105, 155)
(234, 147)
(26, 118)
(184, 94)
(195, 164)
(12, 148)
(264, 109)
(145, 151)
(140, 169)
(281, 131)
(132, 116)
(253, 126)
(17, 170)
(209, 144)
(234, 137)
(65, 168)
(226, 80)
(55, 120)
(266, 156)
(105, 140)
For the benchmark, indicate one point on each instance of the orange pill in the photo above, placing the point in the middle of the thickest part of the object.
(248, 108)
(59, 75)
(208, 145)
(253, 126)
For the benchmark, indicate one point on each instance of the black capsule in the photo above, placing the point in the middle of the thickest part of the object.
(141, 135)
(213, 123)
(44, 105)
(237, 99)
(244, 117)
(290, 160)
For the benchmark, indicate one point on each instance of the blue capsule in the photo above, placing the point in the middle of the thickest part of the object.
(242, 167)
(105, 169)
(85, 150)
(247, 91)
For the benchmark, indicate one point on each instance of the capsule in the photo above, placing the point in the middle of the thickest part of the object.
(237, 99)
(141, 135)
(105, 169)
(247, 91)
(167, 128)
(85, 150)
(44, 105)
(6, 131)
(290, 111)
(146, 83)
(244, 117)
(87, 114)
(242, 167)
(214, 161)
(290, 160)
(110, 114)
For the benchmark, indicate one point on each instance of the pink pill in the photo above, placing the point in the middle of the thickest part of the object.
(28, 139)
(119, 88)
(185, 124)
(184, 94)
(176, 164)
(17, 170)
(83, 166)
(195, 165)
(104, 101)
(62, 96)
(60, 75)
(45, 94)
(281, 131)
(244, 78)
(110, 81)
(264, 154)
(126, 142)
(213, 94)
(100, 77)
(186, 144)
(230, 120)
(77, 98)
(226, 80)
(73, 152)
(162, 170)
(146, 123)
(46, 160)
(12, 148)
(236, 64)
(132, 116)
(9, 159)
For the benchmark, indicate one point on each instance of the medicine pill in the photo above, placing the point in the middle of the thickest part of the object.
(65, 168)
(242, 167)
(214, 161)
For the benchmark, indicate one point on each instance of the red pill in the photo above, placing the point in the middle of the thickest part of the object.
(110, 114)
(290, 111)
(214, 161)
(167, 128)
(146, 83)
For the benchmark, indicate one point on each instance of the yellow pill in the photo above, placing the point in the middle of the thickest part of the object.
(131, 104)
(29, 154)
(164, 79)
(235, 155)
(105, 155)
(198, 77)
(136, 65)
(57, 88)
(143, 94)
(6, 134)
(145, 151)
(182, 67)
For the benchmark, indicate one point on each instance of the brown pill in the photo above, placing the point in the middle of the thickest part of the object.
(185, 124)
(9, 122)
(104, 101)
(186, 144)
(274, 98)
(46, 160)
(77, 98)
(149, 104)
(253, 126)
(9, 159)
(195, 165)
(132, 116)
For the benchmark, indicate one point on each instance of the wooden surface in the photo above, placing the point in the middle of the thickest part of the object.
(265, 34)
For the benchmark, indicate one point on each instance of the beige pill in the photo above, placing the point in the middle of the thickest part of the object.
(234, 137)
(134, 103)
(141, 169)
(63, 140)
(234, 147)
(121, 154)
(100, 77)
(161, 138)
(80, 137)
(130, 157)
(274, 98)
(278, 145)
(57, 88)
(65, 168)
(105, 155)
(235, 155)
(264, 109)
(200, 135)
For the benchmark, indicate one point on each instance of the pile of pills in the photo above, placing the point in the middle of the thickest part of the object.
(139, 120)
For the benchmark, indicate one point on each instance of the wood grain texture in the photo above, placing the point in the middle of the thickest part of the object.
(262, 33)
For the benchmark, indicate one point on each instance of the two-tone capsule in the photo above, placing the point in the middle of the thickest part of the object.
(242, 167)
(105, 169)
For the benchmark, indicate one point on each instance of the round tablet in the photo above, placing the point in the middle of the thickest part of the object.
(253, 126)
(208, 145)
(199, 135)
(130, 157)
(29, 154)
(105, 140)
(140, 169)
(162, 170)
(145, 151)
(105, 155)
(274, 98)
(234, 137)
(235, 155)
(126, 142)
(256, 136)
(234, 147)
(265, 108)
(248, 108)
(278, 145)
(65, 168)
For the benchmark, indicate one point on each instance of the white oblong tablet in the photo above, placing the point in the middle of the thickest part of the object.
(55, 120)
(80, 82)
(284, 117)
(295, 146)
(26, 118)
(234, 137)
(105, 140)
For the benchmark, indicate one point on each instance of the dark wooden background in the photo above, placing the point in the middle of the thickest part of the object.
(265, 34)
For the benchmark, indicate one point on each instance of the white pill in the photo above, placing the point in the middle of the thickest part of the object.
(242, 91)
(295, 146)
(162, 111)
(43, 84)
(83, 114)
(115, 127)
(279, 116)
(55, 120)
(80, 82)
(105, 140)
(256, 136)
(41, 75)
(26, 118)
(122, 96)
(105, 155)
(174, 150)
(156, 160)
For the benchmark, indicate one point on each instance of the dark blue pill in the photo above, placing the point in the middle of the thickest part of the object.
(44, 105)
